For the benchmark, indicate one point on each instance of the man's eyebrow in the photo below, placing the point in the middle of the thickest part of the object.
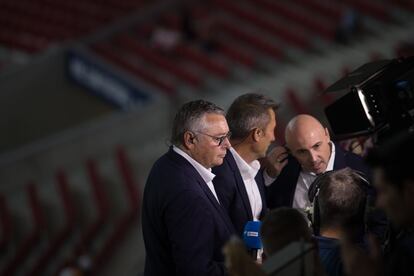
(219, 134)
(317, 144)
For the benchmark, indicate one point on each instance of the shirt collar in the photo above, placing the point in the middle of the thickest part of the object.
(247, 171)
(205, 173)
(331, 161)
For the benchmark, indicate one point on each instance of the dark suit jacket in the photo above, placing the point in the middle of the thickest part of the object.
(281, 192)
(232, 193)
(183, 225)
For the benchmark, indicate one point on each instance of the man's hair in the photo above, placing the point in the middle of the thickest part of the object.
(190, 118)
(342, 198)
(247, 112)
(395, 158)
(282, 226)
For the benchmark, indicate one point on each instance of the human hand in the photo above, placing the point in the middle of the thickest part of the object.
(276, 161)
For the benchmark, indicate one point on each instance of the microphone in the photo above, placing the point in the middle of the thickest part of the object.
(251, 237)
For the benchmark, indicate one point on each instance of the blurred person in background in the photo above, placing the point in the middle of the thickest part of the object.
(184, 225)
(359, 145)
(165, 38)
(350, 26)
(394, 181)
(280, 227)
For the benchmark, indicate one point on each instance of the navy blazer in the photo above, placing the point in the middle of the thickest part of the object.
(184, 227)
(282, 191)
(232, 193)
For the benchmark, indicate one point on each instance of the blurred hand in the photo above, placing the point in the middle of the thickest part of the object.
(276, 160)
(238, 262)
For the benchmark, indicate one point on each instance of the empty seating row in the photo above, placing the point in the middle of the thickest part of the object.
(66, 236)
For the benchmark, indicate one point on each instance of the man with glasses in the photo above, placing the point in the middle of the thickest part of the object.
(238, 182)
(184, 225)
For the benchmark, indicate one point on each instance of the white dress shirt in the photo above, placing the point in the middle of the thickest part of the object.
(248, 173)
(205, 173)
(301, 199)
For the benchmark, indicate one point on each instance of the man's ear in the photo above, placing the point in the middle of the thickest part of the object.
(256, 134)
(189, 139)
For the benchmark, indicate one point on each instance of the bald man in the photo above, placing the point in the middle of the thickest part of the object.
(309, 151)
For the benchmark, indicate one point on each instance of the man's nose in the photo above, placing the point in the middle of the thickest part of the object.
(313, 156)
(226, 143)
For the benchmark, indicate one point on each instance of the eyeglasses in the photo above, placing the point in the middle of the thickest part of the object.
(218, 139)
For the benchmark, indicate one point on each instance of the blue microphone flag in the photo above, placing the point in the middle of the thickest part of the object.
(251, 235)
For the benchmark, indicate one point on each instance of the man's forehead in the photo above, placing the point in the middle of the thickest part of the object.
(216, 122)
(305, 141)
(303, 147)
(214, 117)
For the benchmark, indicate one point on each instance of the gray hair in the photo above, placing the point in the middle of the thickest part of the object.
(248, 112)
(190, 117)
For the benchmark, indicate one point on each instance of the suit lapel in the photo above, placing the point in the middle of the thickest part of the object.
(241, 188)
(203, 185)
(214, 202)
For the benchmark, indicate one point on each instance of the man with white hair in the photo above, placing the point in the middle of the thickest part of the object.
(184, 226)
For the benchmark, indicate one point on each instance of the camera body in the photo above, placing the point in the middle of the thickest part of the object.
(379, 100)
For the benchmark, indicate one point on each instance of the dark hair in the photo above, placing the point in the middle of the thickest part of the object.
(189, 118)
(282, 226)
(342, 198)
(247, 112)
(395, 157)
